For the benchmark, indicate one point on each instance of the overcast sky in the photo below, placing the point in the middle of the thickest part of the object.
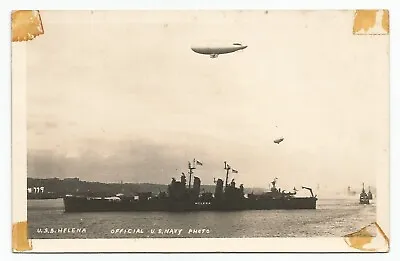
(117, 96)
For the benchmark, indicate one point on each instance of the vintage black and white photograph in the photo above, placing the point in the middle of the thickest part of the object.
(205, 124)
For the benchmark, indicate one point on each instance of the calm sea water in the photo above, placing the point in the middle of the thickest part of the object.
(333, 217)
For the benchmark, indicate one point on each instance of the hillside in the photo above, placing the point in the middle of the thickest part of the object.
(55, 187)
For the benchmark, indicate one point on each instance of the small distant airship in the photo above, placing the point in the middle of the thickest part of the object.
(214, 50)
(279, 140)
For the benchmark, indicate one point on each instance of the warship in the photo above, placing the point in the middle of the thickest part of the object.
(370, 197)
(364, 198)
(187, 197)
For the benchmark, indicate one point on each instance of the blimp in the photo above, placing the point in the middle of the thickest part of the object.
(278, 140)
(214, 50)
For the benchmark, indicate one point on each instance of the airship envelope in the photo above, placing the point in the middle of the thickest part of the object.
(214, 50)
(278, 140)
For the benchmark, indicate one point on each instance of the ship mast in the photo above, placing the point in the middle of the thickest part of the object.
(227, 168)
(191, 168)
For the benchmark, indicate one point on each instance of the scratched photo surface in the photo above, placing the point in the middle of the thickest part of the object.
(217, 124)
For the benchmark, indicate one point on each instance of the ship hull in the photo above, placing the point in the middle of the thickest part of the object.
(83, 204)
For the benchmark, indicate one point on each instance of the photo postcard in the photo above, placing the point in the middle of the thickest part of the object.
(200, 131)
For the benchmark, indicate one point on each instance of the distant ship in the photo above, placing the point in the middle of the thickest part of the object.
(182, 197)
(351, 192)
(364, 199)
(370, 197)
